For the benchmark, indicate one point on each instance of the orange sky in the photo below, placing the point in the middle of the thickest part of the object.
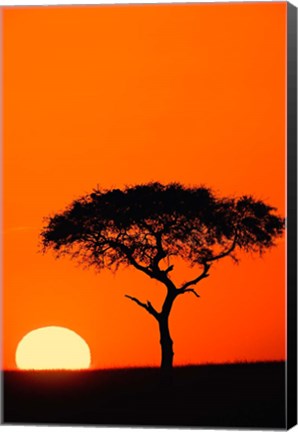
(117, 95)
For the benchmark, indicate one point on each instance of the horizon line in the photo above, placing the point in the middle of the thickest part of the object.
(186, 365)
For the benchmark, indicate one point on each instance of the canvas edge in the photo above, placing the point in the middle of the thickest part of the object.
(1, 214)
(291, 375)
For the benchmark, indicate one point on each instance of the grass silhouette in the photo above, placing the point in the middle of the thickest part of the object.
(228, 395)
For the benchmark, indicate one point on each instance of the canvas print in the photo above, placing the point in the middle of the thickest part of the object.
(145, 215)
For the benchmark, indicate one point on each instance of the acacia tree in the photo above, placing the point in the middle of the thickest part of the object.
(148, 226)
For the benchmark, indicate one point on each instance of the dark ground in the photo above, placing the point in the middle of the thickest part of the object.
(239, 395)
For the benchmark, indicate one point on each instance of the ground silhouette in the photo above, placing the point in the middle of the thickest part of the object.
(148, 226)
(232, 395)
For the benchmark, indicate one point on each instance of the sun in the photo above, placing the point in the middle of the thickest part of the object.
(52, 348)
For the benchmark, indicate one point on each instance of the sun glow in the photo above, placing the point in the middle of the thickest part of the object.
(53, 348)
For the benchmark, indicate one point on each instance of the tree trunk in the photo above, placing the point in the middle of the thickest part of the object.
(166, 344)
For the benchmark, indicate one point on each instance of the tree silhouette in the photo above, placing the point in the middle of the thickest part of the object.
(147, 226)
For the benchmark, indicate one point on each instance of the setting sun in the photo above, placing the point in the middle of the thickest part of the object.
(52, 348)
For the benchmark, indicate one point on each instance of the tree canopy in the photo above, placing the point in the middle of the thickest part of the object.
(142, 225)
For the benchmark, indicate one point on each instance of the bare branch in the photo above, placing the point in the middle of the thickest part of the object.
(191, 290)
(203, 275)
(169, 269)
(152, 310)
(137, 301)
(148, 306)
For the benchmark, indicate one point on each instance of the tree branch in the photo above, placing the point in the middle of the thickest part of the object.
(128, 253)
(152, 271)
(203, 275)
(148, 306)
(224, 253)
(160, 254)
(191, 290)
(169, 269)
(207, 266)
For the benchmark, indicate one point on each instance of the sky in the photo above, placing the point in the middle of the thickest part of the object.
(110, 96)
